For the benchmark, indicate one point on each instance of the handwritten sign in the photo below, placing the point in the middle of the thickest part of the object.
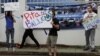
(11, 6)
(37, 19)
(88, 24)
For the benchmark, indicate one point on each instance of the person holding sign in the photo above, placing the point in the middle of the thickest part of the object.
(9, 28)
(52, 38)
(28, 32)
(90, 31)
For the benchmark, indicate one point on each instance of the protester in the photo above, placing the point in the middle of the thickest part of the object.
(53, 35)
(28, 32)
(90, 34)
(9, 29)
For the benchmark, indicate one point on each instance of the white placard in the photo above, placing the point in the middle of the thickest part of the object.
(11, 6)
(37, 19)
(90, 23)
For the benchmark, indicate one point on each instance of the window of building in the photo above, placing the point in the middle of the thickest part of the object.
(5, 1)
(16, 0)
(2, 9)
(2, 1)
(94, 0)
(9, 0)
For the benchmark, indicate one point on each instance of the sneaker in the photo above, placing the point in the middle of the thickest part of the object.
(7, 49)
(13, 49)
(93, 50)
(18, 46)
(38, 47)
(86, 48)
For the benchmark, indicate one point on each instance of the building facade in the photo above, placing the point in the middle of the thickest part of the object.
(2, 4)
(66, 37)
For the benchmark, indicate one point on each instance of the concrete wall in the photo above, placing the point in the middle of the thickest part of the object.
(67, 37)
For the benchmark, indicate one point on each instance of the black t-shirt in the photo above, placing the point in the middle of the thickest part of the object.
(53, 31)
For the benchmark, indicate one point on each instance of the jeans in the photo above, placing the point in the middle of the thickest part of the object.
(10, 33)
(90, 40)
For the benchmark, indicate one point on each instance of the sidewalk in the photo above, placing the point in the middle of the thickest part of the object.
(62, 51)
